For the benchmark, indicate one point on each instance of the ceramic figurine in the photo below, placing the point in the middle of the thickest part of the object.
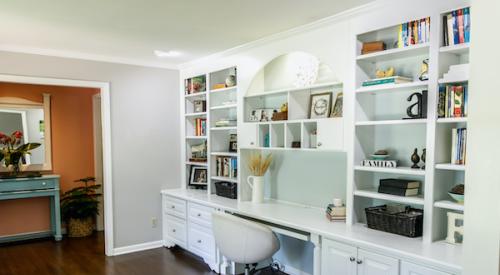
(415, 159)
(388, 73)
(230, 80)
(424, 70)
(423, 158)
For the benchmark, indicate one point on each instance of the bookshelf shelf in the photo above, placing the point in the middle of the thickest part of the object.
(196, 163)
(449, 166)
(452, 81)
(292, 90)
(372, 193)
(450, 205)
(398, 170)
(196, 137)
(377, 89)
(224, 179)
(224, 154)
(196, 95)
(228, 89)
(195, 115)
(452, 120)
(398, 53)
(456, 49)
(223, 107)
(229, 128)
(391, 122)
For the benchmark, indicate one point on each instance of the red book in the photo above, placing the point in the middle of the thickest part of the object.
(460, 20)
(458, 101)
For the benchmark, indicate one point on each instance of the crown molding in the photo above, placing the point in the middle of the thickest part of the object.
(321, 23)
(85, 56)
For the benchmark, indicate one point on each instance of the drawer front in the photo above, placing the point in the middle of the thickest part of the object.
(176, 207)
(200, 214)
(27, 185)
(201, 241)
(176, 229)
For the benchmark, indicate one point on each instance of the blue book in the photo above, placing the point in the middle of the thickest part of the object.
(467, 25)
(405, 34)
(456, 38)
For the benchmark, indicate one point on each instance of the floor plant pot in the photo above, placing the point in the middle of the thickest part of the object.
(80, 227)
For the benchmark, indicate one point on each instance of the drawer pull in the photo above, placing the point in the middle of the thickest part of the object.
(173, 230)
(173, 206)
(359, 261)
(352, 259)
(44, 183)
(199, 241)
(199, 215)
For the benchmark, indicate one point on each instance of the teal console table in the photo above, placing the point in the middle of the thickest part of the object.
(45, 186)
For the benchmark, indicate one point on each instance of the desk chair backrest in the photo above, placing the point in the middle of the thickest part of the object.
(243, 241)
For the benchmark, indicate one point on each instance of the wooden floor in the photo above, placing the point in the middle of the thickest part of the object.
(86, 256)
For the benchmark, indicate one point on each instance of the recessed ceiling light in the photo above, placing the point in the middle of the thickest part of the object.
(166, 53)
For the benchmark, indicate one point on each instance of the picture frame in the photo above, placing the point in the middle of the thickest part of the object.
(199, 106)
(198, 176)
(233, 143)
(262, 115)
(320, 105)
(338, 106)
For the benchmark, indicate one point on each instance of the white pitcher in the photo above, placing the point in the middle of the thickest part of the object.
(257, 185)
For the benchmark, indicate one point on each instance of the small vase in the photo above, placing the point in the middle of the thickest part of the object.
(230, 81)
(257, 185)
(415, 158)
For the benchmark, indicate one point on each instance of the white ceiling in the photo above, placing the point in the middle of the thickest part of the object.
(130, 30)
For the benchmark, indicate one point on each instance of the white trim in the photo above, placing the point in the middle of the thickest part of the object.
(86, 56)
(282, 35)
(288, 269)
(106, 138)
(137, 247)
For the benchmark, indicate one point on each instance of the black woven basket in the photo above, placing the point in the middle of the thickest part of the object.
(408, 223)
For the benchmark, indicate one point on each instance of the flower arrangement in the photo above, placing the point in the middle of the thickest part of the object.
(258, 166)
(12, 150)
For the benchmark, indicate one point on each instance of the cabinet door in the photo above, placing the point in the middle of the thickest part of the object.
(330, 134)
(337, 258)
(247, 135)
(413, 269)
(374, 264)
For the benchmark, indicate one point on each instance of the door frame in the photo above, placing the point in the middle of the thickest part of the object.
(105, 93)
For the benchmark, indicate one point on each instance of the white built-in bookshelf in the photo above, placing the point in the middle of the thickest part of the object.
(221, 103)
(379, 124)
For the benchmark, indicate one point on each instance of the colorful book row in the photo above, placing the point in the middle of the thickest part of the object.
(200, 127)
(414, 32)
(456, 27)
(453, 101)
(226, 167)
(458, 145)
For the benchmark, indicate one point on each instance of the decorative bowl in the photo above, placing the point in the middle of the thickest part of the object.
(379, 157)
(457, 197)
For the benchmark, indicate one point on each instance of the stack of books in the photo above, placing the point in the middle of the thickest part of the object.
(458, 145)
(414, 32)
(456, 27)
(387, 80)
(399, 187)
(453, 101)
(335, 213)
(226, 167)
(200, 127)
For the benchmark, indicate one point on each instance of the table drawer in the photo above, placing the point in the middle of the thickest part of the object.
(27, 185)
(201, 241)
(176, 229)
(200, 214)
(176, 207)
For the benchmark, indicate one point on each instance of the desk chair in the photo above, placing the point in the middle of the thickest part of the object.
(243, 241)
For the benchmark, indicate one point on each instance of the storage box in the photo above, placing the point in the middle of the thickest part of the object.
(371, 47)
(226, 189)
(407, 223)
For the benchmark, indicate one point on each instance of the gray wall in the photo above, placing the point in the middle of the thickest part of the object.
(145, 134)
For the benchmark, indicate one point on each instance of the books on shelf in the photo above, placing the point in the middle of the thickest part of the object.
(335, 213)
(399, 187)
(223, 122)
(200, 127)
(458, 145)
(226, 167)
(380, 163)
(414, 32)
(387, 80)
(453, 101)
(456, 27)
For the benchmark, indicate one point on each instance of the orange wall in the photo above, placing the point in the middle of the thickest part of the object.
(72, 151)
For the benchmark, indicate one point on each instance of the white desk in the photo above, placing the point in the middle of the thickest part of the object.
(439, 255)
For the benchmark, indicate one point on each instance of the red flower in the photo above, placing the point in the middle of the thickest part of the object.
(17, 134)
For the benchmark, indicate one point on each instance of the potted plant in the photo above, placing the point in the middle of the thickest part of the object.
(79, 206)
(12, 151)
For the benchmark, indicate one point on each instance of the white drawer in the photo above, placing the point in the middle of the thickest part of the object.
(200, 214)
(176, 229)
(201, 241)
(176, 207)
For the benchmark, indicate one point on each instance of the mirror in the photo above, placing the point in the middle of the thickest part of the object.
(33, 119)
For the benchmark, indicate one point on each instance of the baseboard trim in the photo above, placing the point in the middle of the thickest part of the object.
(293, 271)
(136, 248)
(26, 236)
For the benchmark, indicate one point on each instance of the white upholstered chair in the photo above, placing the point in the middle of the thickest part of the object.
(243, 241)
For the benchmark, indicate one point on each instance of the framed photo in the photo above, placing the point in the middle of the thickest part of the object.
(199, 176)
(261, 115)
(338, 106)
(233, 143)
(199, 106)
(320, 105)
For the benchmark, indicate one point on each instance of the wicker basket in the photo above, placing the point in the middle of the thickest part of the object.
(408, 223)
(80, 228)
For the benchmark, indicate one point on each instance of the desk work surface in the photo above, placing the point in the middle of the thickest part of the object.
(312, 220)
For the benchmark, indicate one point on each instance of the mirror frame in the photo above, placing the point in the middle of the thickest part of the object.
(16, 102)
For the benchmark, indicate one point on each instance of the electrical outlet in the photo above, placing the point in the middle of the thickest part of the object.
(154, 222)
